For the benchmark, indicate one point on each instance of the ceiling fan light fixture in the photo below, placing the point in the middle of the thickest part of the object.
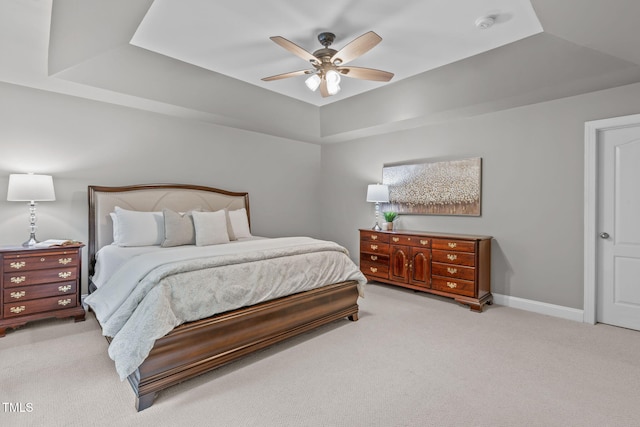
(333, 89)
(313, 82)
(333, 82)
(328, 63)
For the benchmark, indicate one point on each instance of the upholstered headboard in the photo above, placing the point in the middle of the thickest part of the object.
(150, 198)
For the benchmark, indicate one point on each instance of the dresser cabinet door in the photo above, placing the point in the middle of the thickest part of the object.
(420, 267)
(399, 264)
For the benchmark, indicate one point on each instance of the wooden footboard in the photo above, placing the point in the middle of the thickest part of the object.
(198, 347)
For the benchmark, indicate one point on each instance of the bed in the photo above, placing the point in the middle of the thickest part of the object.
(173, 285)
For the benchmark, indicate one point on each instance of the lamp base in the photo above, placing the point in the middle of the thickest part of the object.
(376, 227)
(31, 242)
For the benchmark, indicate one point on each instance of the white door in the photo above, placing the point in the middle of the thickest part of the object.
(618, 247)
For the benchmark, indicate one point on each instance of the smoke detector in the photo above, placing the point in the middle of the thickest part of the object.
(485, 22)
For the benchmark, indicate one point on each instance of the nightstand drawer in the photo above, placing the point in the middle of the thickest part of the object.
(20, 263)
(36, 277)
(40, 291)
(22, 308)
(454, 286)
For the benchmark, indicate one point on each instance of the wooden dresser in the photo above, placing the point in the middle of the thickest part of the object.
(452, 265)
(39, 283)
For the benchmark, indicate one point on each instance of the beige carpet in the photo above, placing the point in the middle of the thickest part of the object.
(411, 360)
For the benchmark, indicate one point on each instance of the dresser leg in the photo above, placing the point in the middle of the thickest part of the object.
(79, 318)
(353, 317)
(2, 332)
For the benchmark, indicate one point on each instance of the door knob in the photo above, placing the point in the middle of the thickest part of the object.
(604, 235)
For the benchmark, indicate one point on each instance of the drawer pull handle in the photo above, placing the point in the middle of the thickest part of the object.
(374, 247)
(424, 242)
(18, 279)
(374, 237)
(452, 285)
(64, 275)
(64, 302)
(18, 295)
(17, 309)
(64, 261)
(452, 244)
(396, 239)
(374, 257)
(43, 259)
(373, 269)
(18, 265)
(64, 288)
(452, 270)
(452, 257)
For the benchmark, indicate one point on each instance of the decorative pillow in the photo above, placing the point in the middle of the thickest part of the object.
(239, 223)
(136, 228)
(178, 228)
(211, 228)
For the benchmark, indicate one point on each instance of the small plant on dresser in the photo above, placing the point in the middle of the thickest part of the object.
(389, 217)
(39, 283)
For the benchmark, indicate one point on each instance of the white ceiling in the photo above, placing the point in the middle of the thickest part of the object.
(231, 37)
(215, 52)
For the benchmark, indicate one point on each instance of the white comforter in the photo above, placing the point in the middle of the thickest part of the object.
(152, 293)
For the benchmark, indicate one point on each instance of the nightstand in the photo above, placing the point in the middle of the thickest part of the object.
(38, 283)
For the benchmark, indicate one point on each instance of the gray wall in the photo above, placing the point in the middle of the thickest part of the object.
(83, 142)
(532, 189)
(532, 175)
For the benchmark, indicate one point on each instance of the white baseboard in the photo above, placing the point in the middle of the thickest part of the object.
(540, 307)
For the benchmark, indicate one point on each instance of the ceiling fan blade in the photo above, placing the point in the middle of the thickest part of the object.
(357, 47)
(365, 73)
(285, 75)
(294, 48)
(324, 91)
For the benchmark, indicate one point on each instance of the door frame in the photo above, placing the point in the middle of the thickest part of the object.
(591, 131)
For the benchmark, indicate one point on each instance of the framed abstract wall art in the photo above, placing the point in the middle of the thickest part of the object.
(451, 187)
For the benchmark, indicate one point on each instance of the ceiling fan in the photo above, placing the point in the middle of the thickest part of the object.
(329, 63)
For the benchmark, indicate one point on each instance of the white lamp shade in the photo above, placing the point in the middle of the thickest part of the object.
(313, 82)
(333, 82)
(378, 193)
(30, 187)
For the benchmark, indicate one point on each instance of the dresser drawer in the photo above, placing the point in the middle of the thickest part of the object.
(36, 277)
(453, 245)
(375, 259)
(423, 242)
(454, 271)
(375, 269)
(39, 291)
(454, 286)
(374, 248)
(373, 236)
(22, 308)
(19, 263)
(450, 257)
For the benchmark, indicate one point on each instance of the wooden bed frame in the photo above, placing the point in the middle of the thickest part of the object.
(197, 347)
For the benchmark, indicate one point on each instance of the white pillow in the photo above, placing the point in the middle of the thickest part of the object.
(211, 228)
(134, 228)
(114, 221)
(239, 223)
